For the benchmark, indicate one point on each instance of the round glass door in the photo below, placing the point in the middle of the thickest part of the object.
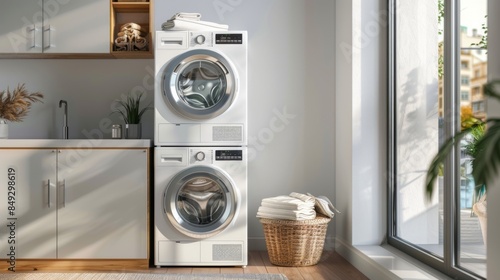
(199, 84)
(200, 202)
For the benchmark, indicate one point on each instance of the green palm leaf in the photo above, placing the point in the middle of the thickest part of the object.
(438, 160)
(486, 150)
(487, 160)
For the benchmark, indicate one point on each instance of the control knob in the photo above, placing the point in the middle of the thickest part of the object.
(199, 156)
(200, 39)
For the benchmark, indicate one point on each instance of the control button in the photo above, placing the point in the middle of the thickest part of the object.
(199, 156)
(200, 39)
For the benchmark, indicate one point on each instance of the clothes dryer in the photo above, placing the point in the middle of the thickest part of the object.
(201, 88)
(200, 206)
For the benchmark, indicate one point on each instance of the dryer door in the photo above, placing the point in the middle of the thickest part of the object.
(199, 84)
(200, 201)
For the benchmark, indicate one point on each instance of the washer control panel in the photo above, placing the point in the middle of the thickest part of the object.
(229, 155)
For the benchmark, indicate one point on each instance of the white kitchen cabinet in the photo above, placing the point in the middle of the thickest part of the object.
(95, 208)
(33, 198)
(54, 26)
(103, 208)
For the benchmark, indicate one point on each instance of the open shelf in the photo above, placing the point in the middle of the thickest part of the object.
(131, 12)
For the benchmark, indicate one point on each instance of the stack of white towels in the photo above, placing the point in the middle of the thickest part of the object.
(132, 37)
(295, 206)
(191, 22)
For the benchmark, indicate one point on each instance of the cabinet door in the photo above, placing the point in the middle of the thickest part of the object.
(21, 26)
(68, 28)
(28, 203)
(102, 211)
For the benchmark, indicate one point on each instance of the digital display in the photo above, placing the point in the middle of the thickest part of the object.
(228, 155)
(234, 38)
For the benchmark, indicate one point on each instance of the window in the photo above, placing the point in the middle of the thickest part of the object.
(434, 53)
(478, 107)
(476, 92)
(464, 80)
(464, 95)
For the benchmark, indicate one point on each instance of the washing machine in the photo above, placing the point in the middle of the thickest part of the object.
(200, 206)
(201, 88)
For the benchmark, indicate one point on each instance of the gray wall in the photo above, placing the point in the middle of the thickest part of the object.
(89, 86)
(291, 73)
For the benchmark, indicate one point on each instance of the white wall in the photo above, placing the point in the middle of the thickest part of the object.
(361, 117)
(291, 83)
(291, 72)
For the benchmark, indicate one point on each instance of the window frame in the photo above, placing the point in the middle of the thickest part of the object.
(448, 264)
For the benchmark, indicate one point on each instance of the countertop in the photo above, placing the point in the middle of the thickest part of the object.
(75, 143)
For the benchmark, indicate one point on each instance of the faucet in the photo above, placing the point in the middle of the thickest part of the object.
(65, 121)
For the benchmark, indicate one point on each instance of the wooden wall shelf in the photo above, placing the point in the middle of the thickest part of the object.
(136, 12)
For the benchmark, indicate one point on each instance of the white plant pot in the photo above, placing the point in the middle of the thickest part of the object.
(479, 209)
(4, 130)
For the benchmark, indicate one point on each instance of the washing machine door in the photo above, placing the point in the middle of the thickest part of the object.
(200, 201)
(199, 84)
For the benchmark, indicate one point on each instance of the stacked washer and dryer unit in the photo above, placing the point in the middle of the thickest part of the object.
(200, 193)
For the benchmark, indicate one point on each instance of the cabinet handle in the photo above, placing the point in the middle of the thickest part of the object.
(47, 29)
(33, 30)
(48, 193)
(64, 193)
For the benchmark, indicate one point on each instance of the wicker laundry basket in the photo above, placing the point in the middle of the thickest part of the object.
(295, 243)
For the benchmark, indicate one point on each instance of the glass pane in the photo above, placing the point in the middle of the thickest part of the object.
(201, 201)
(473, 57)
(201, 84)
(418, 119)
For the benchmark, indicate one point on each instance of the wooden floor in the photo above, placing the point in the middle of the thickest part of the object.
(331, 266)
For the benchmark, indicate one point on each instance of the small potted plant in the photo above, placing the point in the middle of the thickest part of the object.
(14, 106)
(131, 113)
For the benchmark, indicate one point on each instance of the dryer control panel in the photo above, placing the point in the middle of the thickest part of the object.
(228, 155)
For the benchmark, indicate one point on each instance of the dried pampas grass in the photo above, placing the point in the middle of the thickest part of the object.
(14, 106)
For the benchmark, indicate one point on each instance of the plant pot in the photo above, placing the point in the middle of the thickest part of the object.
(479, 209)
(133, 131)
(4, 129)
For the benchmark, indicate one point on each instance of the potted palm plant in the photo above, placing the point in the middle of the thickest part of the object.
(131, 113)
(484, 147)
(477, 129)
(14, 106)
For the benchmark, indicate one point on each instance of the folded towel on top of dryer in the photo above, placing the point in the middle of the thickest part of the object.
(190, 16)
(191, 21)
(295, 206)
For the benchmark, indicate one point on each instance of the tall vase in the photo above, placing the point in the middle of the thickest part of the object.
(133, 131)
(4, 129)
